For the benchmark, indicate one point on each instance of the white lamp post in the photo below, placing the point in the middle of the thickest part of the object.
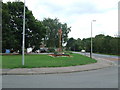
(91, 37)
(23, 42)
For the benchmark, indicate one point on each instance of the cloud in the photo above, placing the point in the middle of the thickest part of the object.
(78, 14)
(66, 9)
(106, 23)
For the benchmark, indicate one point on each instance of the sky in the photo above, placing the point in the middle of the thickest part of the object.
(78, 14)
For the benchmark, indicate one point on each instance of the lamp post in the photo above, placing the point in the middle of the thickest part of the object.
(23, 42)
(91, 38)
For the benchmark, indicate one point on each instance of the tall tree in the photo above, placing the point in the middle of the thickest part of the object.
(98, 43)
(101, 44)
(70, 44)
(86, 44)
(114, 46)
(52, 38)
(12, 23)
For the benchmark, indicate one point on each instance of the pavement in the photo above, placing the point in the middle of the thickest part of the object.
(101, 63)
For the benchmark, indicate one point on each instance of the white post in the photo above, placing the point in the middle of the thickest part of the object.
(23, 43)
(91, 39)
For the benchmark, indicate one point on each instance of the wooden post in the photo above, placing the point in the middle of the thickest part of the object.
(60, 39)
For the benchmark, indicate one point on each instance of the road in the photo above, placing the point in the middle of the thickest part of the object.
(111, 58)
(102, 78)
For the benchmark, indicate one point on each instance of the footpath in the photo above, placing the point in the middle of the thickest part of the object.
(55, 70)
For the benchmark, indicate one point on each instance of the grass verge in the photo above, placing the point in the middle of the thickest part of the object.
(37, 61)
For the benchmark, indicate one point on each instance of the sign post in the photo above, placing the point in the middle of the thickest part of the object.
(60, 39)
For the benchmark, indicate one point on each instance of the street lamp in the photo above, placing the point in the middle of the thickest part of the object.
(23, 42)
(91, 38)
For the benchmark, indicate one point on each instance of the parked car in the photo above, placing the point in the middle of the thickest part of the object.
(82, 51)
(43, 50)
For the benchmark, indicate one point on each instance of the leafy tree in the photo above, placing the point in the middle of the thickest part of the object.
(78, 45)
(86, 44)
(70, 43)
(106, 44)
(98, 43)
(101, 44)
(114, 46)
(52, 38)
(12, 24)
(74, 45)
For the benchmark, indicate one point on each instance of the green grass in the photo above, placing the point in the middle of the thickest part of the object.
(35, 61)
(0, 61)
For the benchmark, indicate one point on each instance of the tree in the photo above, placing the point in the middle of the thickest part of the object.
(74, 45)
(12, 24)
(70, 44)
(78, 45)
(101, 44)
(86, 44)
(114, 46)
(52, 38)
(106, 44)
(98, 43)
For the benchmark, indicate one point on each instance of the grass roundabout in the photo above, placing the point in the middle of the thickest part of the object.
(37, 61)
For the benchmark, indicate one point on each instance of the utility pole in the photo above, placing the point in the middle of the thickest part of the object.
(23, 42)
(91, 39)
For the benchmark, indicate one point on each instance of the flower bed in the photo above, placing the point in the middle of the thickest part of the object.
(59, 55)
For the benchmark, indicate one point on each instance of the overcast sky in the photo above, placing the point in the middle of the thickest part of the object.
(78, 14)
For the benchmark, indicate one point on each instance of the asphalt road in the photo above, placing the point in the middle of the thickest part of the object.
(111, 58)
(102, 78)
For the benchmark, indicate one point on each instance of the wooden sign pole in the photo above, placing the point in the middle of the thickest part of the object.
(60, 40)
